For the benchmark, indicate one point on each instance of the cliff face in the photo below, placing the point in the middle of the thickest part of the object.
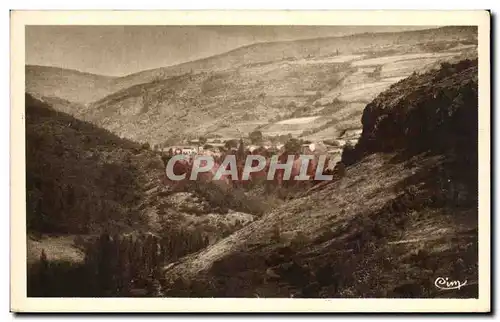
(435, 111)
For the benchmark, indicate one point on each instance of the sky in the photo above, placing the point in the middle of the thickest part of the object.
(123, 50)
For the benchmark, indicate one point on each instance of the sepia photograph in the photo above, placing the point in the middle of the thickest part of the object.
(166, 155)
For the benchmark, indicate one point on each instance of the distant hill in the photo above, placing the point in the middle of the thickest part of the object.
(67, 84)
(258, 86)
(80, 87)
(316, 47)
(255, 87)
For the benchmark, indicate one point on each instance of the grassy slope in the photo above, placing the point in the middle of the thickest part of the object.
(389, 228)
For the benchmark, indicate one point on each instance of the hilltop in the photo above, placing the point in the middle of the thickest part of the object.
(404, 214)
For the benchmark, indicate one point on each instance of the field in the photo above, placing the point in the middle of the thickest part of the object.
(359, 80)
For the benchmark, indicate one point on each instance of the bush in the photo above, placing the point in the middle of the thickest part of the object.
(255, 137)
(224, 199)
(231, 144)
(292, 146)
(202, 140)
(350, 154)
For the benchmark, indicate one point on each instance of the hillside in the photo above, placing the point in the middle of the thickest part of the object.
(314, 89)
(404, 214)
(82, 179)
(83, 182)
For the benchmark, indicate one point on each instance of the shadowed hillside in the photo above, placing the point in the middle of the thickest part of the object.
(80, 178)
(400, 218)
(96, 203)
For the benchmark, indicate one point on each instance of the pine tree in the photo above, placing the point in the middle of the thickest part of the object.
(155, 254)
(105, 273)
(241, 150)
(123, 276)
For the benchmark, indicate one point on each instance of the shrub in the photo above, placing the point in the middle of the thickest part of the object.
(293, 146)
(350, 154)
(255, 137)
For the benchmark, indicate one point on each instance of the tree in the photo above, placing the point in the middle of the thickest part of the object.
(292, 146)
(202, 140)
(158, 76)
(255, 137)
(350, 154)
(231, 144)
(44, 278)
(241, 150)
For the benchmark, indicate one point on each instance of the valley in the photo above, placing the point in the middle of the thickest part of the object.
(392, 110)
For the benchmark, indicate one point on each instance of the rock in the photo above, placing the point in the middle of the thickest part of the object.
(272, 274)
(424, 112)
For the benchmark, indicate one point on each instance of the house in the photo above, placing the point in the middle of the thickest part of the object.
(318, 147)
(187, 150)
(304, 149)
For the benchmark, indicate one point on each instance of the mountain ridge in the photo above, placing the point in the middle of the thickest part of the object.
(257, 87)
(300, 41)
(237, 48)
(106, 85)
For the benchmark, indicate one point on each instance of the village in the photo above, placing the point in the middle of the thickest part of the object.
(216, 146)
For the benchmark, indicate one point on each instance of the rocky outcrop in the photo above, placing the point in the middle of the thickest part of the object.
(435, 111)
